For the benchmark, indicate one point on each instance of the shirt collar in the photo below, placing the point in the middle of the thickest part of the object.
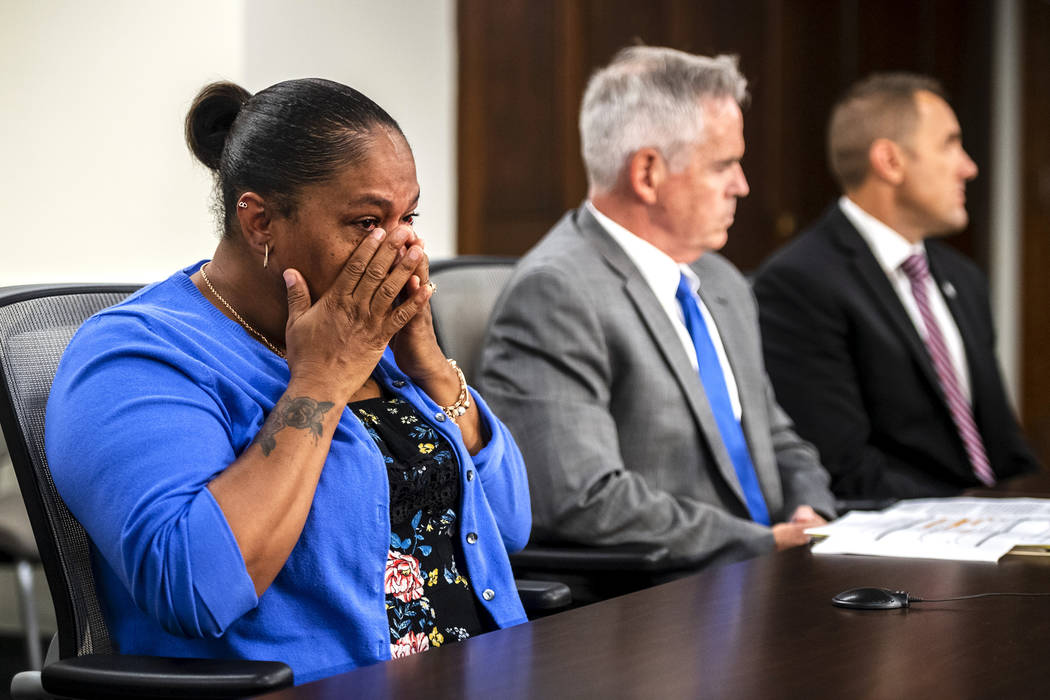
(889, 247)
(659, 270)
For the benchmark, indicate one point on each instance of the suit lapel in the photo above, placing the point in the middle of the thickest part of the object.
(874, 279)
(666, 339)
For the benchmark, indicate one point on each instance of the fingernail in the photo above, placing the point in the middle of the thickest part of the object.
(378, 234)
(413, 254)
(289, 278)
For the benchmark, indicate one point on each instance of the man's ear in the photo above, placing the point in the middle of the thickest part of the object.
(256, 221)
(646, 171)
(886, 160)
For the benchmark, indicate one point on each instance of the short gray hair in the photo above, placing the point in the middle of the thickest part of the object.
(880, 106)
(649, 97)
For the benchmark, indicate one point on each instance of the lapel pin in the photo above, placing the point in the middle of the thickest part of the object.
(949, 290)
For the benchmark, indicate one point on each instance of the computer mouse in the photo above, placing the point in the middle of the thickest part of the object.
(870, 598)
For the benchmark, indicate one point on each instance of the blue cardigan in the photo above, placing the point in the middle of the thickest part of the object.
(157, 395)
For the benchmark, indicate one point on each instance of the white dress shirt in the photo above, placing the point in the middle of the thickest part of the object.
(662, 274)
(891, 249)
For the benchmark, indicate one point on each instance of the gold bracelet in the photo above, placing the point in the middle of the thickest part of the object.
(457, 409)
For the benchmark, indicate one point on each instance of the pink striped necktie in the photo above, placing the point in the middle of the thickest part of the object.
(918, 273)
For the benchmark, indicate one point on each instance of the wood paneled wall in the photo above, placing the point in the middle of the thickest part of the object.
(1035, 260)
(524, 64)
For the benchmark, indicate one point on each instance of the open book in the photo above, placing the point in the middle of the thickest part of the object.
(971, 529)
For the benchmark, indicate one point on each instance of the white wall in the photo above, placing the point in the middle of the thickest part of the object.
(96, 183)
(401, 53)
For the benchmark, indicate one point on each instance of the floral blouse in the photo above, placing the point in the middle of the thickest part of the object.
(428, 600)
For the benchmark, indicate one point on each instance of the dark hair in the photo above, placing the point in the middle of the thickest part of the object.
(289, 135)
(880, 106)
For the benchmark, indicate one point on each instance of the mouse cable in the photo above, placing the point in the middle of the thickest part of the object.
(915, 599)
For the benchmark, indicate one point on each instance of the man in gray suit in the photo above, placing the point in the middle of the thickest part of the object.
(625, 353)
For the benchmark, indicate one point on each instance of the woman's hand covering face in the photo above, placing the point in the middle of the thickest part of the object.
(343, 334)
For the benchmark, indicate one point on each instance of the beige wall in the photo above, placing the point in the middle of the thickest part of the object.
(96, 183)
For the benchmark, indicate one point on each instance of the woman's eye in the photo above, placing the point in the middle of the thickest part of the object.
(368, 224)
(410, 218)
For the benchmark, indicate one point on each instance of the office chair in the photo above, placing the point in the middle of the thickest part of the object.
(36, 324)
(468, 288)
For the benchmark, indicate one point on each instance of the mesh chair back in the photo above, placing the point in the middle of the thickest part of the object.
(468, 287)
(36, 324)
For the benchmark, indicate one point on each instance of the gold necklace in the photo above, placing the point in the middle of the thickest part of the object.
(247, 326)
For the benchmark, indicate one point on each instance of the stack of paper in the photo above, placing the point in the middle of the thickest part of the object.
(972, 529)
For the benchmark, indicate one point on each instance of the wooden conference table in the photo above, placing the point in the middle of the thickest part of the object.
(763, 628)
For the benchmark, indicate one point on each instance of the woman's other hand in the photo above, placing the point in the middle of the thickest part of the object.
(415, 346)
(418, 354)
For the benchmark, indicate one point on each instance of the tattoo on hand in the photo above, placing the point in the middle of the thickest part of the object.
(302, 412)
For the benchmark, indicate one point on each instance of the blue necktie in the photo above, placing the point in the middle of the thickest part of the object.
(714, 382)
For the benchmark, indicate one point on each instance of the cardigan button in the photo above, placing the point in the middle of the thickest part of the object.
(470, 475)
(488, 594)
(398, 383)
(472, 537)
(440, 417)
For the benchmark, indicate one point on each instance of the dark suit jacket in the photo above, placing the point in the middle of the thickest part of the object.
(850, 368)
(584, 366)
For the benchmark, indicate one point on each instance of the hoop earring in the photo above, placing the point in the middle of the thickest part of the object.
(266, 255)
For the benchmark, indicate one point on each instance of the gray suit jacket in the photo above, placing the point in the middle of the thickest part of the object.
(583, 365)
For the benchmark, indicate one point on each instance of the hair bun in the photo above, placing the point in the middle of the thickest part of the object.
(209, 120)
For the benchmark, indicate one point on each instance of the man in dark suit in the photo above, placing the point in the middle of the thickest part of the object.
(624, 353)
(879, 340)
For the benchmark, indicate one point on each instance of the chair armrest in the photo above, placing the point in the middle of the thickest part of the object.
(541, 596)
(581, 558)
(25, 685)
(118, 676)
